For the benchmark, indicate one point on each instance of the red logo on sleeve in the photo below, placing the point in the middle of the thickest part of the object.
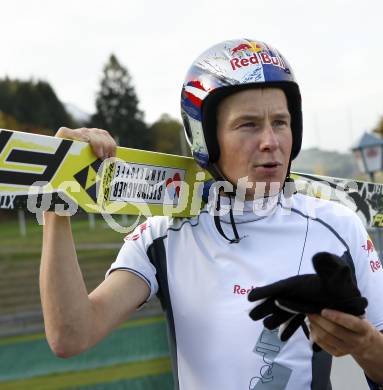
(137, 232)
(369, 246)
(375, 265)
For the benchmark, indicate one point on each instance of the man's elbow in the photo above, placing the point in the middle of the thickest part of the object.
(62, 352)
(66, 347)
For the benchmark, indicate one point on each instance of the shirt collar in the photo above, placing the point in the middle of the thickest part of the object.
(248, 210)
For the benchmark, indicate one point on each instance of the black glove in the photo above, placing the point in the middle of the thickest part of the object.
(288, 300)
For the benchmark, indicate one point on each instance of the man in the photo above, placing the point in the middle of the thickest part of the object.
(241, 108)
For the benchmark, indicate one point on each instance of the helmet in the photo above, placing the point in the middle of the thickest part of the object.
(222, 70)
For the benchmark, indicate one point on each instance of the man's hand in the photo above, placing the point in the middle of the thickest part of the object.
(342, 334)
(289, 300)
(102, 143)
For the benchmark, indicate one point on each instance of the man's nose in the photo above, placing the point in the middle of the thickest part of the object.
(269, 140)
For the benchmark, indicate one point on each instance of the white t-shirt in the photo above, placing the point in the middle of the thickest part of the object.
(202, 281)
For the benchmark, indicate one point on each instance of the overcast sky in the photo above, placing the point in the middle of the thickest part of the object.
(334, 47)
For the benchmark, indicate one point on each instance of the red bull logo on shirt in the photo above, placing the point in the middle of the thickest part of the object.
(137, 232)
(375, 265)
(252, 53)
(369, 247)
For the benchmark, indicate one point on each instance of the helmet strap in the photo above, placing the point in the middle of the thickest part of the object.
(289, 187)
(218, 225)
(219, 176)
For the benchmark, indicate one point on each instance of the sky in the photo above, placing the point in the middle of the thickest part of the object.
(334, 47)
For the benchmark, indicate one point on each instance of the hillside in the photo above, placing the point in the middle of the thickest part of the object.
(327, 163)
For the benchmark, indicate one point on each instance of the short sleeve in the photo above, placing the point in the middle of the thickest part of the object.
(133, 254)
(369, 272)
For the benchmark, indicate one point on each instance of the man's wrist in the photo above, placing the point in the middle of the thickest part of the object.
(370, 359)
(366, 351)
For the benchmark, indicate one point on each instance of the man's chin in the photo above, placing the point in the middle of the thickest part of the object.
(267, 191)
(262, 189)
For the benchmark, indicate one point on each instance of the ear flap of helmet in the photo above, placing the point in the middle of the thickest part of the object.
(294, 102)
(187, 128)
(209, 120)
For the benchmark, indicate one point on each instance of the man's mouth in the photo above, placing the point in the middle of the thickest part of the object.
(269, 164)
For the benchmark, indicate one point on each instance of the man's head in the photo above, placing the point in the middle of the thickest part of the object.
(237, 69)
(255, 139)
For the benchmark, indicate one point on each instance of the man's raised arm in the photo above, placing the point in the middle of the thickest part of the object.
(74, 320)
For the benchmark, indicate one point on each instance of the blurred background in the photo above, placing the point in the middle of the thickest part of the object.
(119, 65)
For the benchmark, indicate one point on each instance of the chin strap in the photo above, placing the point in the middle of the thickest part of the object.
(219, 176)
(289, 188)
(218, 225)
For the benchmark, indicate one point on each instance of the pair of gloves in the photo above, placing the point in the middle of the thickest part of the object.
(286, 302)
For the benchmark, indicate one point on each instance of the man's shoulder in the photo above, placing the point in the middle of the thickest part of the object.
(163, 225)
(323, 209)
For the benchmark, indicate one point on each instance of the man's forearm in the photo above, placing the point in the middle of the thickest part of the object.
(66, 306)
(372, 359)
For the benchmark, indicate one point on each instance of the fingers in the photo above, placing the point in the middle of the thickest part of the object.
(287, 329)
(327, 341)
(262, 310)
(297, 306)
(80, 134)
(340, 333)
(277, 318)
(102, 143)
(305, 329)
(268, 291)
(355, 305)
(344, 320)
(325, 264)
(315, 346)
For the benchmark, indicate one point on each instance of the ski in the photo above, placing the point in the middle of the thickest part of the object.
(39, 173)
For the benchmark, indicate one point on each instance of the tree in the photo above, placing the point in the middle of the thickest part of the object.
(379, 127)
(167, 136)
(117, 107)
(9, 122)
(34, 105)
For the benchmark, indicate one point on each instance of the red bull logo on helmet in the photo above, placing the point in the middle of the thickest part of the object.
(252, 47)
(252, 53)
(240, 48)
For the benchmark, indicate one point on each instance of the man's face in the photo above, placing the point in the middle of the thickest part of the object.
(255, 138)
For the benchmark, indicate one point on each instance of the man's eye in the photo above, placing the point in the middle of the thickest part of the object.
(247, 124)
(280, 123)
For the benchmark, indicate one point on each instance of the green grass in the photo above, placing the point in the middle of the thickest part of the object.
(151, 369)
(41, 336)
(82, 254)
(20, 256)
(137, 341)
(92, 377)
(10, 234)
(14, 247)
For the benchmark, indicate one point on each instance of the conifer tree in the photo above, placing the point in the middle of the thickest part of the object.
(117, 107)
